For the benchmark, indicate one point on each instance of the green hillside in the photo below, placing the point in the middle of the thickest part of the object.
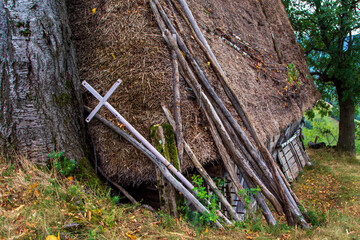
(327, 130)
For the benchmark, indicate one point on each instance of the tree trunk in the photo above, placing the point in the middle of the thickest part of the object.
(346, 141)
(40, 95)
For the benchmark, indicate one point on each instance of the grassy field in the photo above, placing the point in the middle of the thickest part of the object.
(39, 202)
(327, 129)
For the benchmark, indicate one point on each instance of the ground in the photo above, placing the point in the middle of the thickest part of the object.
(36, 203)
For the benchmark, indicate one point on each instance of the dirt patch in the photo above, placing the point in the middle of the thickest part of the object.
(120, 39)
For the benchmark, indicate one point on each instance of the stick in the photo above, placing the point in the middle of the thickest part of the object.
(177, 108)
(227, 163)
(118, 187)
(208, 107)
(157, 162)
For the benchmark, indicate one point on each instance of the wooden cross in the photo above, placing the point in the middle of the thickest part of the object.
(102, 100)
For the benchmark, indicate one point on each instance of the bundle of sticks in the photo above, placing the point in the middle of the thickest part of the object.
(254, 161)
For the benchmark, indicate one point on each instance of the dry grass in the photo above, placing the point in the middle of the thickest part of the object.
(38, 202)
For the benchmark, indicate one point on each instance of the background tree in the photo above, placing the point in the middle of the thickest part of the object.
(327, 29)
(40, 95)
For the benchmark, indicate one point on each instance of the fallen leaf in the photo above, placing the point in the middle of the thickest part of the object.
(52, 237)
(93, 11)
(133, 237)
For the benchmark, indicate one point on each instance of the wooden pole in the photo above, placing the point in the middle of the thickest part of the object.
(177, 108)
(227, 163)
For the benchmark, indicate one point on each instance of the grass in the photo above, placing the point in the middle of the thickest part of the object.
(330, 189)
(38, 202)
(320, 125)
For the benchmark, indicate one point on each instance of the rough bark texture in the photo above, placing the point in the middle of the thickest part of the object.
(40, 100)
(346, 141)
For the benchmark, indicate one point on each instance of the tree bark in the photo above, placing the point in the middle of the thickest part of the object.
(40, 95)
(346, 141)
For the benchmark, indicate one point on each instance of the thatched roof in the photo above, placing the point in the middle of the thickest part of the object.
(121, 39)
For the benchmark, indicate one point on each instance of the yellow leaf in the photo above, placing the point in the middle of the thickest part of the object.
(113, 56)
(132, 237)
(52, 237)
(34, 185)
(208, 63)
(93, 11)
(206, 230)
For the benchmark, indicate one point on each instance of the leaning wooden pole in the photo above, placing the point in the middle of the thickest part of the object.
(162, 167)
(177, 108)
(201, 169)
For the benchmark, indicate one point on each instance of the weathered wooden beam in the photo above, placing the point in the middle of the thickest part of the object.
(177, 108)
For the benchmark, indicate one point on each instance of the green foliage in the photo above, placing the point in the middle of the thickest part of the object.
(323, 127)
(328, 33)
(325, 29)
(205, 218)
(308, 125)
(357, 130)
(247, 193)
(63, 165)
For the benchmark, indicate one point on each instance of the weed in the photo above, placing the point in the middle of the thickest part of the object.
(205, 218)
(247, 193)
(63, 165)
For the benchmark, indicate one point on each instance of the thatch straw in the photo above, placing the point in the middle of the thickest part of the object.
(122, 40)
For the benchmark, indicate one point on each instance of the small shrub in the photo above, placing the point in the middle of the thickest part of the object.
(205, 218)
(247, 193)
(63, 165)
(308, 124)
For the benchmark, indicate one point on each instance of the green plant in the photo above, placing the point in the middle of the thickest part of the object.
(314, 216)
(357, 130)
(63, 165)
(209, 199)
(247, 193)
